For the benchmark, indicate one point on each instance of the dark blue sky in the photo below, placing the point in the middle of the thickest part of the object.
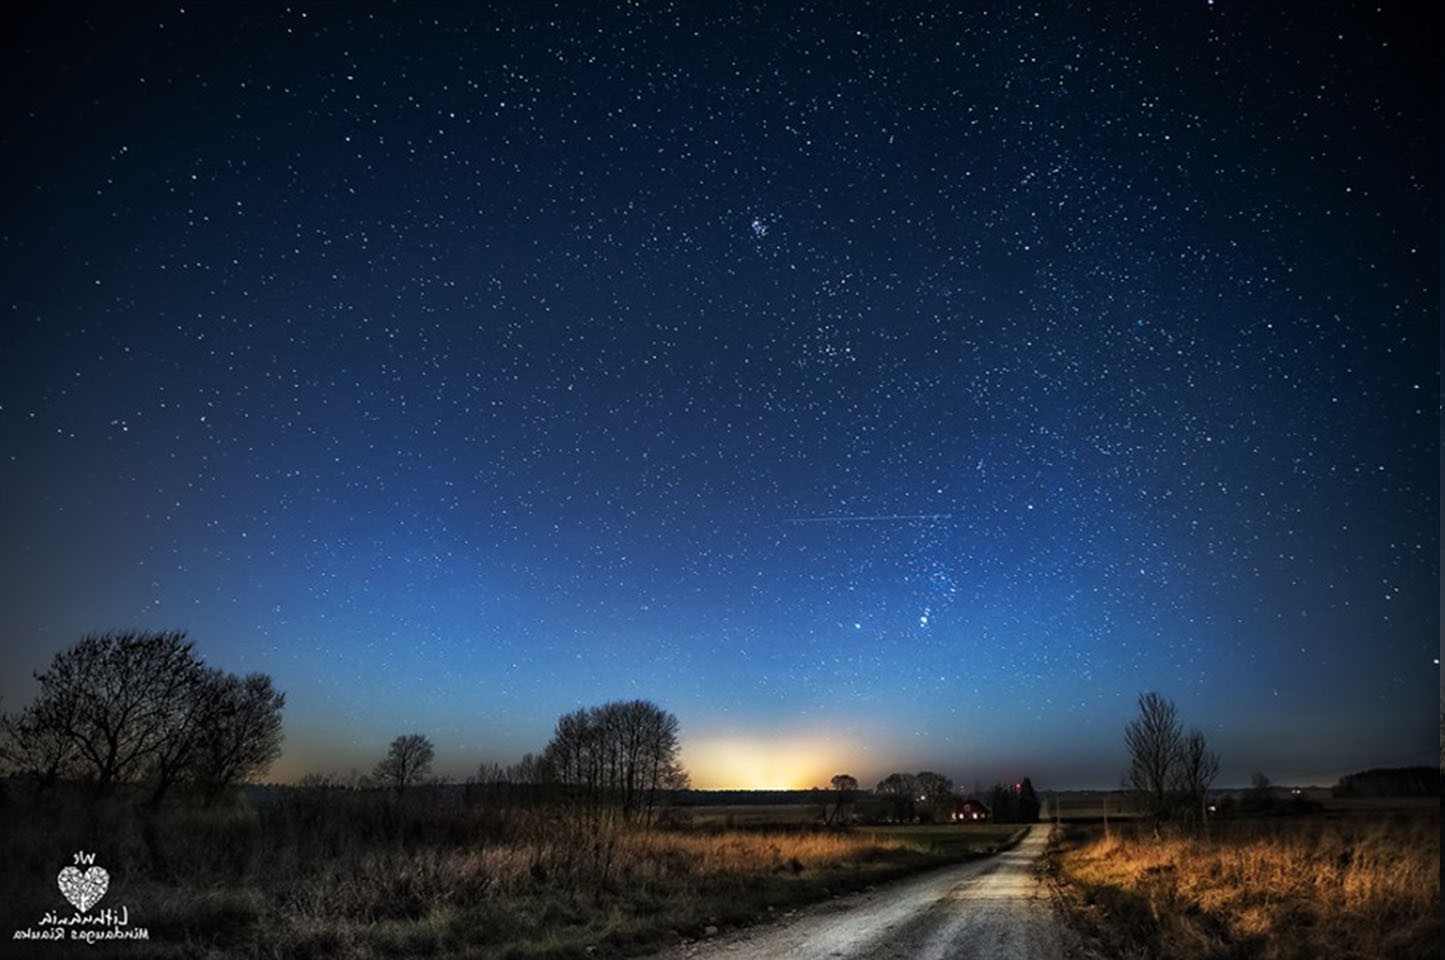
(874, 388)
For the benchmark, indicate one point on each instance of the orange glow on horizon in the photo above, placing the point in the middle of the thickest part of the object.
(755, 763)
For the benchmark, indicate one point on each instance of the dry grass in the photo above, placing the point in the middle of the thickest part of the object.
(739, 851)
(549, 898)
(1355, 887)
(352, 875)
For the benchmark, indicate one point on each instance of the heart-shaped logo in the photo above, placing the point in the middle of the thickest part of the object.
(83, 889)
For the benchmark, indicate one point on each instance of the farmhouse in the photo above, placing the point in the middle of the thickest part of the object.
(970, 809)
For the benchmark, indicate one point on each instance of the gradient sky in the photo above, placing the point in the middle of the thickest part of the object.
(876, 387)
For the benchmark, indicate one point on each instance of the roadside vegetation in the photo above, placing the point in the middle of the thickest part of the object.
(1263, 874)
(333, 872)
(1358, 885)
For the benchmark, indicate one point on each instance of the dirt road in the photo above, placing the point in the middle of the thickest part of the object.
(993, 909)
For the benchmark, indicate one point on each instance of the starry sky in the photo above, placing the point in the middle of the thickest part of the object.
(874, 386)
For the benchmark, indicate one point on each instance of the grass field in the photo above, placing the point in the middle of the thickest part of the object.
(748, 816)
(948, 840)
(1346, 883)
(353, 874)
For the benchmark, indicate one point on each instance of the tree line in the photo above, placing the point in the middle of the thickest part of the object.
(905, 797)
(141, 709)
(616, 760)
(1018, 803)
(925, 797)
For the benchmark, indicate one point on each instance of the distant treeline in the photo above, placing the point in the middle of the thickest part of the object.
(1391, 782)
(740, 798)
(485, 789)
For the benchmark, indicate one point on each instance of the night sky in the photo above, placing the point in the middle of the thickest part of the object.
(874, 388)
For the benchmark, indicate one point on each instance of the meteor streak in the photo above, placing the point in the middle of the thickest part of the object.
(875, 518)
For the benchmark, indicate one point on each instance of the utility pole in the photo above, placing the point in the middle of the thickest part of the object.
(1106, 815)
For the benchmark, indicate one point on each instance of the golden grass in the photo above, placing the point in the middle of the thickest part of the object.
(356, 875)
(540, 898)
(354, 886)
(1274, 889)
(738, 851)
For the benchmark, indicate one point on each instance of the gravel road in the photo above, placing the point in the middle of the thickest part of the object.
(993, 909)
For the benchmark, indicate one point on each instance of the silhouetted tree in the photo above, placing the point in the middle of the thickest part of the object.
(1153, 740)
(611, 765)
(1003, 803)
(1197, 768)
(240, 734)
(193, 750)
(1028, 802)
(407, 762)
(130, 706)
(935, 796)
(845, 786)
(32, 748)
(898, 794)
(501, 786)
(618, 759)
(1389, 782)
(118, 698)
(317, 780)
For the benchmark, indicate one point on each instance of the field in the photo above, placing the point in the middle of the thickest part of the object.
(333, 873)
(1358, 880)
(948, 840)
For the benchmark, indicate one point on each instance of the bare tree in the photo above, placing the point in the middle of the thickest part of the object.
(526, 770)
(121, 699)
(136, 706)
(407, 762)
(1197, 768)
(610, 766)
(31, 748)
(241, 732)
(899, 795)
(130, 707)
(617, 759)
(844, 787)
(935, 795)
(1154, 743)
